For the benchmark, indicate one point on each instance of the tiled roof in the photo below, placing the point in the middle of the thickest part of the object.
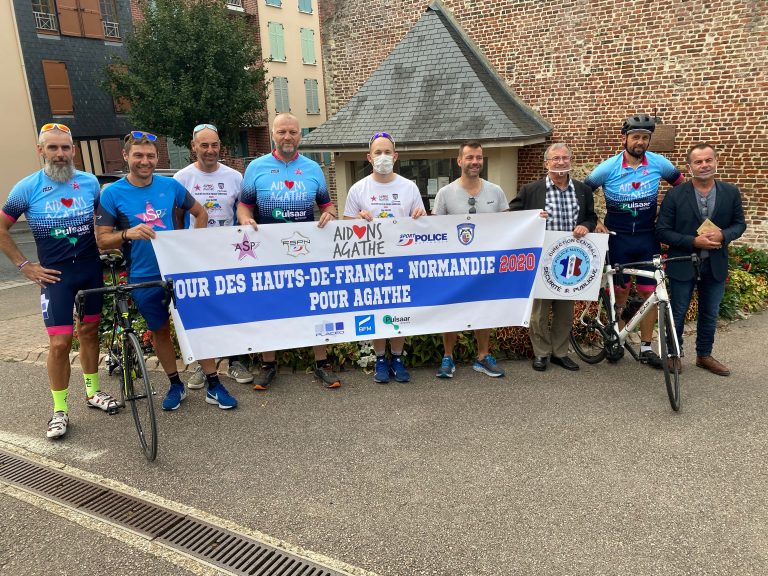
(434, 88)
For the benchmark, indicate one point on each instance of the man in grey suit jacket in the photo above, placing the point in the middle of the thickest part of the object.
(702, 215)
(568, 205)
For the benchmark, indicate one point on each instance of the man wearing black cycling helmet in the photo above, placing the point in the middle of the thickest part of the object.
(630, 182)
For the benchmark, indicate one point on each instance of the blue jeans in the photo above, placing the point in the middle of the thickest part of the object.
(710, 294)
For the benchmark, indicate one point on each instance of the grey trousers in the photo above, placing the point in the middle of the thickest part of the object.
(552, 339)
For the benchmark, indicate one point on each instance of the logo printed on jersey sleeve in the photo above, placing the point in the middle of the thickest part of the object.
(152, 217)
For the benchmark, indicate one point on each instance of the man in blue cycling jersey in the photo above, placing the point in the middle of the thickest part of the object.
(59, 203)
(131, 212)
(284, 186)
(630, 182)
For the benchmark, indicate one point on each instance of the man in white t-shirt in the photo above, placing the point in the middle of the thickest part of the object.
(217, 187)
(385, 194)
(470, 194)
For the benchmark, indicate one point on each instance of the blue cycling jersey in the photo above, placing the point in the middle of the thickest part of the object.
(124, 206)
(284, 192)
(60, 215)
(631, 193)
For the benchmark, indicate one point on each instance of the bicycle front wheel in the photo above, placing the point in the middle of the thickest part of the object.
(670, 355)
(586, 339)
(138, 393)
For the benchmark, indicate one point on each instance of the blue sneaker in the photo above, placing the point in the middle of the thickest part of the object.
(447, 368)
(381, 376)
(397, 369)
(218, 395)
(488, 366)
(175, 395)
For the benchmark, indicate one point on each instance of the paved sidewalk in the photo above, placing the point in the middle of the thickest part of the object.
(22, 332)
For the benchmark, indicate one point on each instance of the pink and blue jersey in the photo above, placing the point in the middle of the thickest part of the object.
(284, 192)
(631, 193)
(60, 215)
(124, 206)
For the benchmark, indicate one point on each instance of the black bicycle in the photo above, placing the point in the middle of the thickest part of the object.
(126, 354)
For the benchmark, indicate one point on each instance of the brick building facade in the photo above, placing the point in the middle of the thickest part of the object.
(584, 65)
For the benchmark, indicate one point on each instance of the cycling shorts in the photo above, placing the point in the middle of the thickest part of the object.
(151, 303)
(626, 248)
(57, 300)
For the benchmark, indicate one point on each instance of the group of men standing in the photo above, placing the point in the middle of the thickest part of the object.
(62, 204)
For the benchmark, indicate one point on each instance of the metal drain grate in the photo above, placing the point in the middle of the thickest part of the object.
(222, 548)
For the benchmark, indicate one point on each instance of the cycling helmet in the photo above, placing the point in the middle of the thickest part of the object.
(638, 122)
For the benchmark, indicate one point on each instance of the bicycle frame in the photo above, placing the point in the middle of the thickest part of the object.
(660, 294)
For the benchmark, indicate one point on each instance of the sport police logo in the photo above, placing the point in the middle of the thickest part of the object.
(466, 233)
(567, 266)
(408, 239)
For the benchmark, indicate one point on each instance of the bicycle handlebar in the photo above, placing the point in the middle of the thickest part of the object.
(82, 295)
(693, 258)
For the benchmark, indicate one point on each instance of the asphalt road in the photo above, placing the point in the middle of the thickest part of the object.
(546, 474)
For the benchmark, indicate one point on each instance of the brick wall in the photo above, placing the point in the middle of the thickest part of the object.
(584, 65)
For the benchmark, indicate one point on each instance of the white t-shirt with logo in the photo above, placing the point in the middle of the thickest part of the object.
(216, 191)
(394, 199)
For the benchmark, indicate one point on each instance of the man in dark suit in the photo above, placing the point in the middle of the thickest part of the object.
(702, 215)
(568, 205)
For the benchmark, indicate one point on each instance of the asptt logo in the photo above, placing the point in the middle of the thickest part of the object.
(152, 217)
(245, 248)
(296, 245)
(466, 233)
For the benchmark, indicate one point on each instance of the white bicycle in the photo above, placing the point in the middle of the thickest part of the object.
(596, 334)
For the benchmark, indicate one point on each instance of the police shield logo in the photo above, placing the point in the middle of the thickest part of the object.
(466, 233)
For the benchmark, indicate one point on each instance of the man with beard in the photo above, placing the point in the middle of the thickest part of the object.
(283, 187)
(217, 187)
(630, 182)
(470, 194)
(59, 204)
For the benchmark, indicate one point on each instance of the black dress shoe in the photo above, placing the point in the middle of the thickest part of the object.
(565, 362)
(540, 363)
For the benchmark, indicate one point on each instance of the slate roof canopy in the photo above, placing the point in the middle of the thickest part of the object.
(435, 87)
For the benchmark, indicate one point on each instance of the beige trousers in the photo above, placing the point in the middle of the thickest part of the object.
(551, 339)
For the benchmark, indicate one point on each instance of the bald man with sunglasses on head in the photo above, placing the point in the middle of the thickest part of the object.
(131, 212)
(59, 203)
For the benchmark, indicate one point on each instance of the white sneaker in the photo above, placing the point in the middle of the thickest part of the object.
(197, 380)
(239, 373)
(57, 426)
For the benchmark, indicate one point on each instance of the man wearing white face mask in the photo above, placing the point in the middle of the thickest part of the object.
(385, 194)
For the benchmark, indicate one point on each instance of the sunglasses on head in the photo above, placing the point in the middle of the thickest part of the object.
(140, 135)
(381, 135)
(55, 126)
(199, 127)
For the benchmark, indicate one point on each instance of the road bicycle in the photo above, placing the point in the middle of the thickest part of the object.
(596, 334)
(125, 354)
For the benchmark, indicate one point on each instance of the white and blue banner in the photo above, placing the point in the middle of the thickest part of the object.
(240, 290)
(571, 268)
